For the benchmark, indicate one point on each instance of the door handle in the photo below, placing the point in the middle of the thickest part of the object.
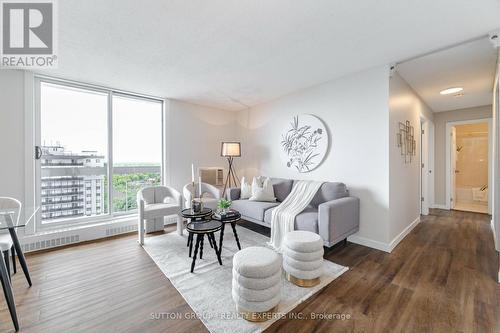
(457, 171)
(38, 152)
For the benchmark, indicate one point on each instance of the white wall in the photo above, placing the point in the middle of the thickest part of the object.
(404, 183)
(355, 111)
(496, 159)
(195, 136)
(12, 133)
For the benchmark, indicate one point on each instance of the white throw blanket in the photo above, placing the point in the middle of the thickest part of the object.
(283, 216)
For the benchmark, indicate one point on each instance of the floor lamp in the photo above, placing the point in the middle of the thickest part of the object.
(230, 150)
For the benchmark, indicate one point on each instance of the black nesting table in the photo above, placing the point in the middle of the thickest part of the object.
(200, 229)
(193, 216)
(228, 219)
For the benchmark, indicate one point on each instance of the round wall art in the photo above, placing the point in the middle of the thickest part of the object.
(304, 143)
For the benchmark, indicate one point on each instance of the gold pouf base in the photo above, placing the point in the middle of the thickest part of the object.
(306, 283)
(257, 317)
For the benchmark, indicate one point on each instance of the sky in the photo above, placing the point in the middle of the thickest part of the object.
(77, 119)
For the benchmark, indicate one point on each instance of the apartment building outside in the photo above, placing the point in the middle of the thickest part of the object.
(72, 184)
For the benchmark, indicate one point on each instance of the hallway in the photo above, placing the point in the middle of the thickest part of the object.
(441, 278)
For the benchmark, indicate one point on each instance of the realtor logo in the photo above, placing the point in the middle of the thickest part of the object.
(28, 34)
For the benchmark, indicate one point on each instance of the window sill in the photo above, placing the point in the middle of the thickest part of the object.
(87, 226)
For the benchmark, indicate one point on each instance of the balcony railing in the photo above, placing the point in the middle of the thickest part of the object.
(61, 216)
(61, 164)
(46, 202)
(61, 194)
(45, 209)
(48, 187)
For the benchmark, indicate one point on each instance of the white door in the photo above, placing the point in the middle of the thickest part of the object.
(454, 170)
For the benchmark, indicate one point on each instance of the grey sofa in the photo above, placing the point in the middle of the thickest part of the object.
(332, 213)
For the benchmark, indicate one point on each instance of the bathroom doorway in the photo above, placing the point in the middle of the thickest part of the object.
(469, 165)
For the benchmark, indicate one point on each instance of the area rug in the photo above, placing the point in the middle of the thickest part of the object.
(208, 289)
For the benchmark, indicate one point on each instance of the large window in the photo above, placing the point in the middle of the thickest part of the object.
(137, 142)
(96, 149)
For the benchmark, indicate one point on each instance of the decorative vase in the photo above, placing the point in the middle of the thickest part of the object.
(197, 205)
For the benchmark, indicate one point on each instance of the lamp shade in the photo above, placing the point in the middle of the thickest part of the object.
(231, 149)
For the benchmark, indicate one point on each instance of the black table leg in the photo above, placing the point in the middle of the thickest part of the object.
(13, 251)
(189, 239)
(211, 236)
(198, 238)
(201, 247)
(210, 242)
(233, 224)
(7, 263)
(20, 254)
(221, 238)
(190, 243)
(7, 290)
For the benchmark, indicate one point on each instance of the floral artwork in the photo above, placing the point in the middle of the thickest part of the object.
(305, 143)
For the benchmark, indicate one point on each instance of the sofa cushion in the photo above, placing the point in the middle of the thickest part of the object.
(329, 191)
(253, 209)
(307, 220)
(282, 188)
(262, 190)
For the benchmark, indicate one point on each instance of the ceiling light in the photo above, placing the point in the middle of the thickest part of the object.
(453, 90)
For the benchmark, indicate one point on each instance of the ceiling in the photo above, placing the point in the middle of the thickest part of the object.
(470, 65)
(235, 54)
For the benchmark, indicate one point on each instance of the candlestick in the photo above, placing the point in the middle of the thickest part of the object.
(199, 186)
(192, 173)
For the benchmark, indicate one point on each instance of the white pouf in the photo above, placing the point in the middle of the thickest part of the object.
(256, 285)
(303, 258)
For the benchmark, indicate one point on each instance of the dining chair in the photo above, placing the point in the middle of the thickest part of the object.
(6, 243)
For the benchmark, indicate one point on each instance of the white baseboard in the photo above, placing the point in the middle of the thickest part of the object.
(403, 234)
(492, 225)
(369, 243)
(386, 247)
(440, 206)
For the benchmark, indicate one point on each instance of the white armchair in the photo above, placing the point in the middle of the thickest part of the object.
(210, 195)
(154, 203)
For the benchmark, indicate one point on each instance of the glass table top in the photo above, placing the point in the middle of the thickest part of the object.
(188, 212)
(202, 227)
(17, 218)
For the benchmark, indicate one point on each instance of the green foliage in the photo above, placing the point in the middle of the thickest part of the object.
(126, 186)
(224, 204)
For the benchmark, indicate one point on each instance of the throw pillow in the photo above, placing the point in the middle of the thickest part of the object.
(246, 189)
(262, 190)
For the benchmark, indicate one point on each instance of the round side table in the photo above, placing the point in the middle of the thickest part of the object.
(200, 229)
(193, 216)
(188, 213)
(232, 219)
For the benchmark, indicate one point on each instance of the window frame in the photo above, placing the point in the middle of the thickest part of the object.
(111, 215)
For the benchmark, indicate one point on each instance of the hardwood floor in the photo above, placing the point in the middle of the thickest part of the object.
(441, 278)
